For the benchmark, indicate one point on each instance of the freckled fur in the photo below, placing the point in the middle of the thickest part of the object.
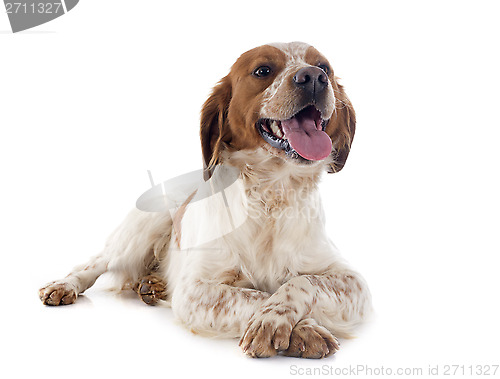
(276, 281)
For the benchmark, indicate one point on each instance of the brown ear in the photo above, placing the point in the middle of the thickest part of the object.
(342, 130)
(214, 131)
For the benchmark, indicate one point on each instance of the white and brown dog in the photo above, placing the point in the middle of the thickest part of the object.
(281, 119)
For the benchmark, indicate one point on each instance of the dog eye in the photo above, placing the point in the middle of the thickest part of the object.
(262, 71)
(325, 68)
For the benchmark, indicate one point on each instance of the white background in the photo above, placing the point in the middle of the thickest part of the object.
(90, 101)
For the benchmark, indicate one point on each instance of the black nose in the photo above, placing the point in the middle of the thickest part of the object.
(311, 79)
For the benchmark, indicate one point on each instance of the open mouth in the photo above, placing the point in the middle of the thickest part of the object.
(301, 135)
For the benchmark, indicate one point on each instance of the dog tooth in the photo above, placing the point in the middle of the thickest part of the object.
(276, 129)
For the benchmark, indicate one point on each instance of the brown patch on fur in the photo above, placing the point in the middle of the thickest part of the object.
(229, 115)
(285, 309)
(220, 304)
(235, 278)
(252, 295)
(341, 128)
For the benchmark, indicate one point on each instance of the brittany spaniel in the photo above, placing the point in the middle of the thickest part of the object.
(274, 280)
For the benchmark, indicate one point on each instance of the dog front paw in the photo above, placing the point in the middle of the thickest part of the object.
(268, 331)
(58, 293)
(310, 340)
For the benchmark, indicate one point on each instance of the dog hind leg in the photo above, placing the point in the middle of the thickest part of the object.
(134, 251)
(151, 289)
(65, 291)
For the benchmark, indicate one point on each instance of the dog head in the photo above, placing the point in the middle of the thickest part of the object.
(284, 98)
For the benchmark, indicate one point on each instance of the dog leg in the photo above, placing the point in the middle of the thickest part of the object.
(216, 309)
(337, 301)
(65, 291)
(132, 251)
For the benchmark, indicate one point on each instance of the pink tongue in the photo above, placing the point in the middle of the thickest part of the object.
(306, 139)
